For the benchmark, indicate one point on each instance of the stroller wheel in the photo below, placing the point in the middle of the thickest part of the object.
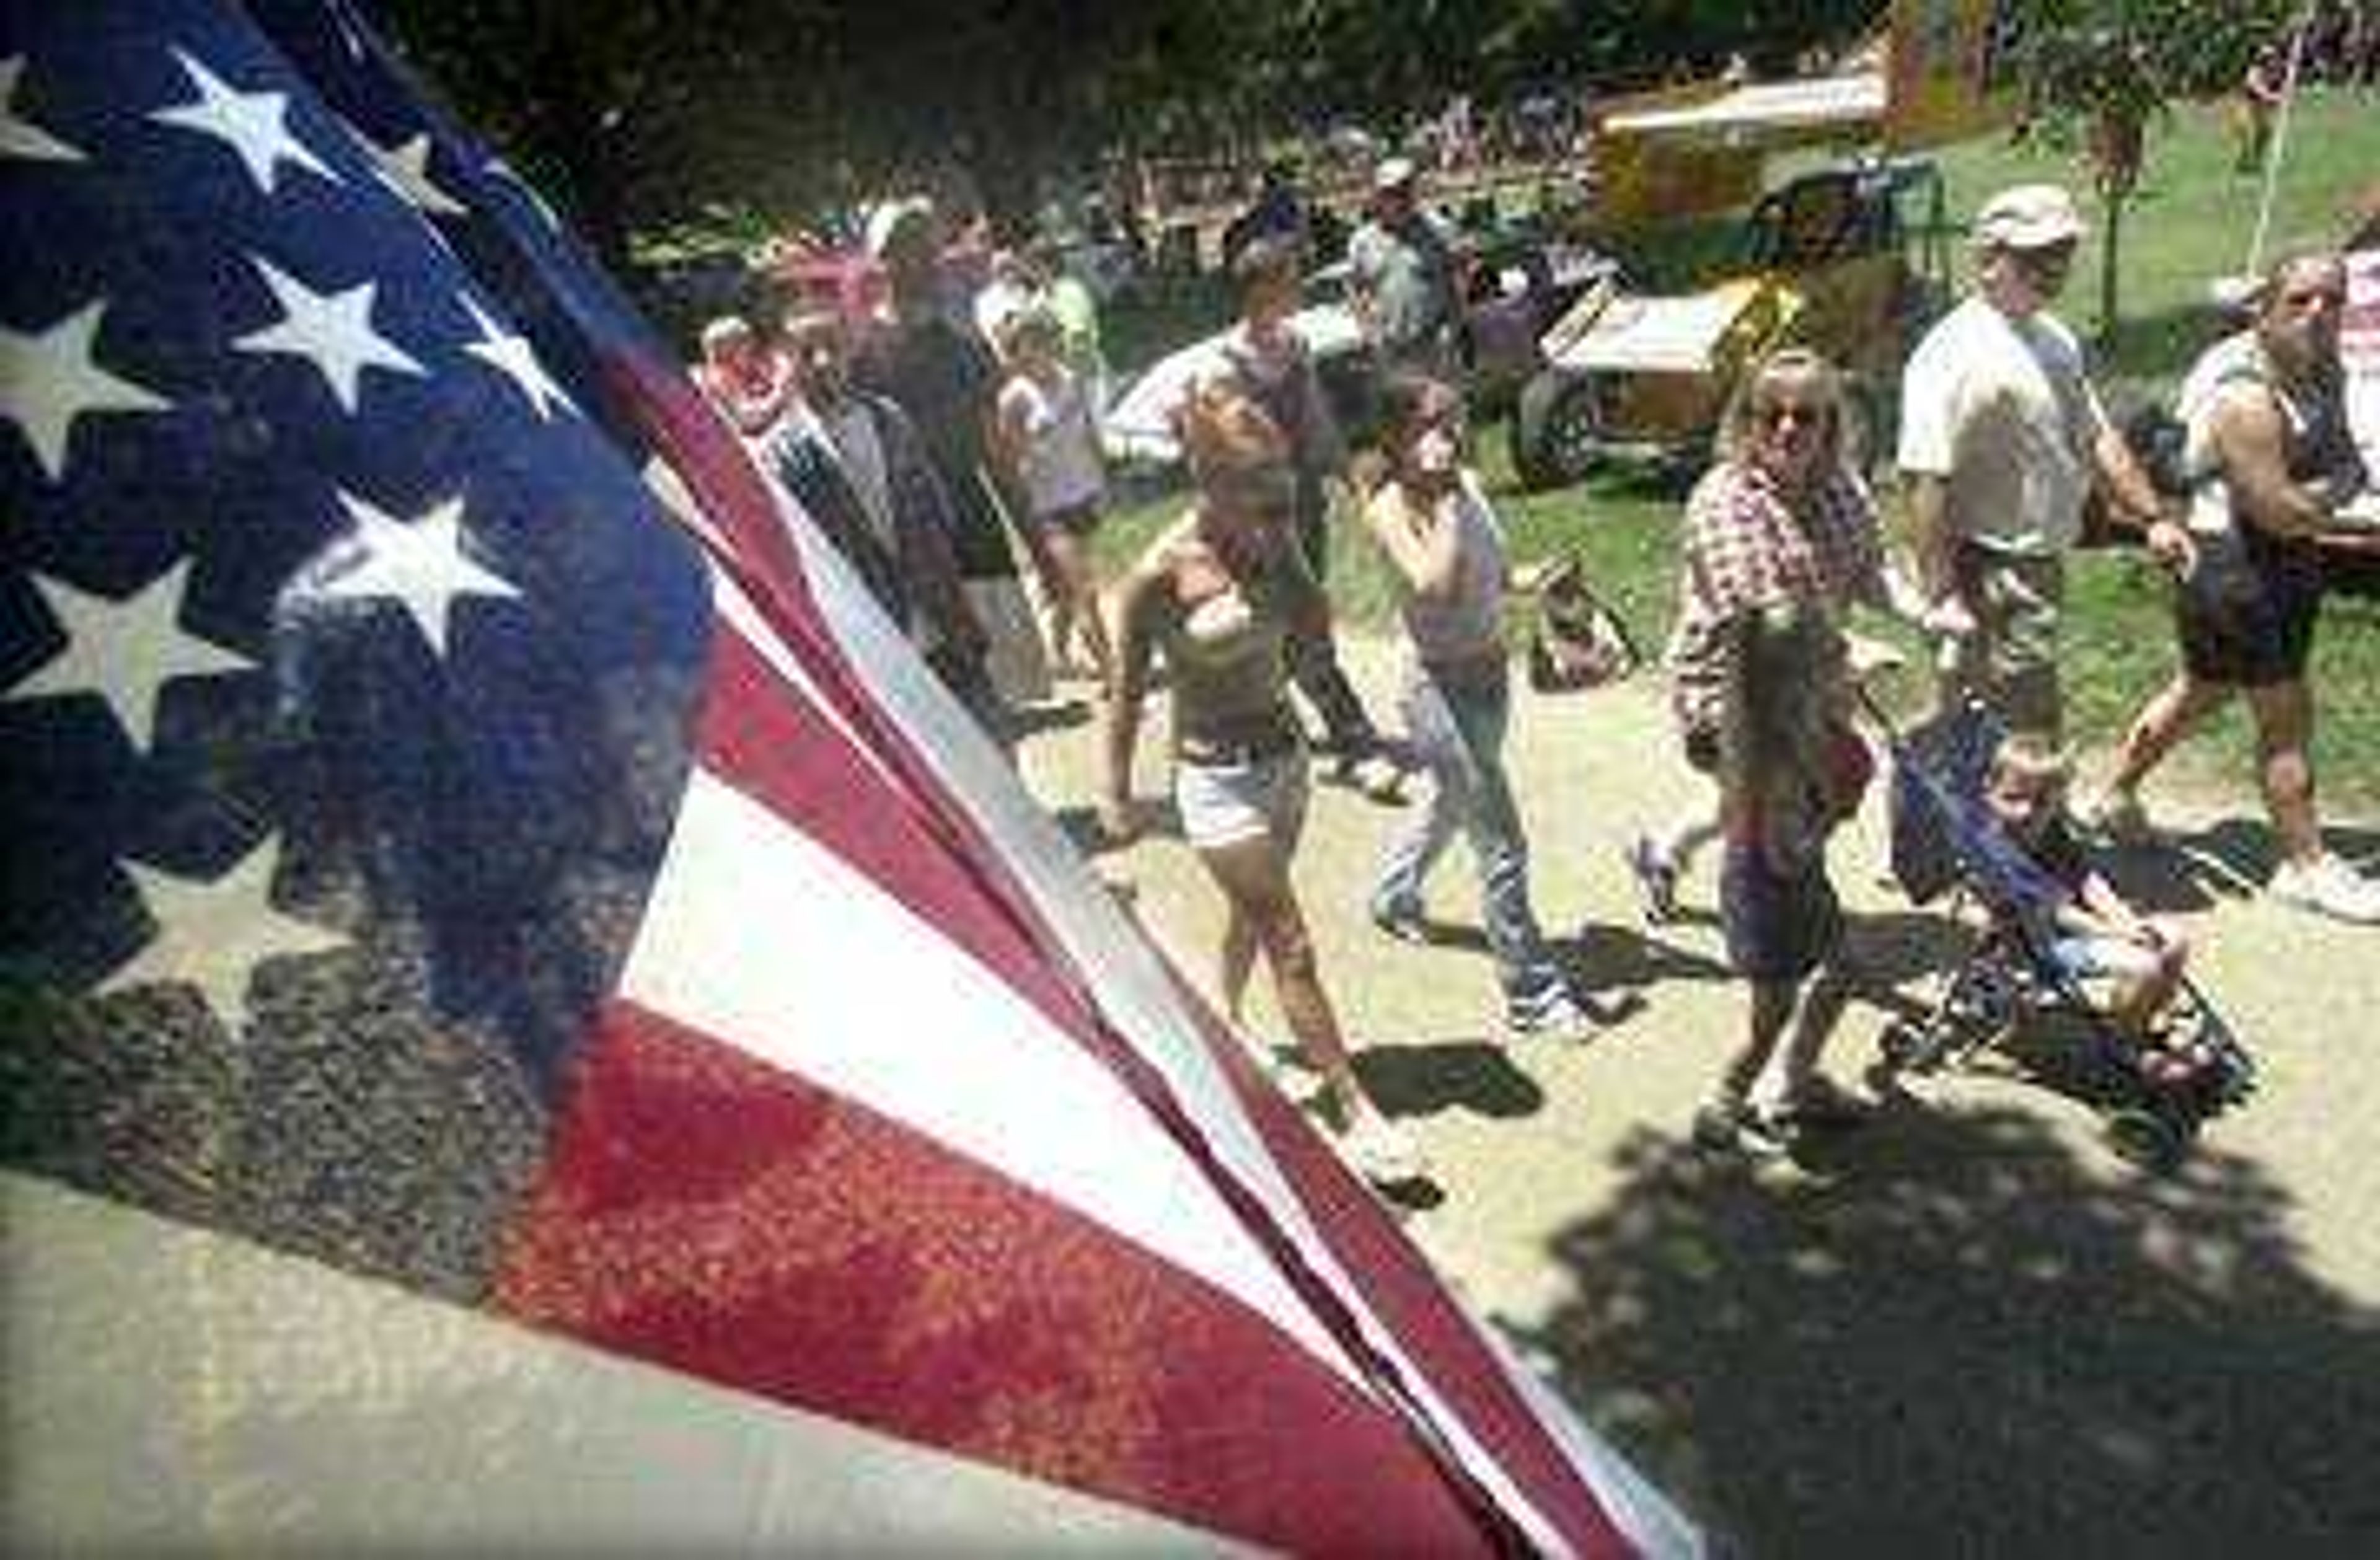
(2147, 1138)
(1902, 1043)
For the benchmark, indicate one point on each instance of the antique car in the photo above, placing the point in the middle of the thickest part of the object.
(1851, 260)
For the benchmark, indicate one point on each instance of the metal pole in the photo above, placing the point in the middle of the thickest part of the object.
(2274, 154)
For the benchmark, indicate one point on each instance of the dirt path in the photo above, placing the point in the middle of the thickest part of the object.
(1976, 1326)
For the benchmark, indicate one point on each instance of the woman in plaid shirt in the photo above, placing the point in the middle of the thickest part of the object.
(1781, 540)
(1780, 518)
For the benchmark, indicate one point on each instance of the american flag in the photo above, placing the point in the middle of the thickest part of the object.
(530, 1018)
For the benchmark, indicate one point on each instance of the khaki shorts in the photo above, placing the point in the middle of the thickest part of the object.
(2009, 663)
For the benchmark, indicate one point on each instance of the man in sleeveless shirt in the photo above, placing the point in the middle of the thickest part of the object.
(2270, 460)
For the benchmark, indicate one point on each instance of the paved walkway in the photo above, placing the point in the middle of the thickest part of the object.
(1973, 1327)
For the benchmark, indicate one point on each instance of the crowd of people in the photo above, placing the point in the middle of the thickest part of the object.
(938, 446)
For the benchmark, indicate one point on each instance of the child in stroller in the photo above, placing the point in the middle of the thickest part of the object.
(1985, 815)
(2089, 931)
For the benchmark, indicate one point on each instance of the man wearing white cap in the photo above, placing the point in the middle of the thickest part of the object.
(2001, 439)
(1401, 275)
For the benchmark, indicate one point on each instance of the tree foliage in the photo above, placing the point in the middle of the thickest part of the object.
(2103, 70)
(640, 113)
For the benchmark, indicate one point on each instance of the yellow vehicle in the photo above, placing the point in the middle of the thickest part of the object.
(1851, 260)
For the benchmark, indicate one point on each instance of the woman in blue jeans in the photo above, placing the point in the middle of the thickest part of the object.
(1433, 523)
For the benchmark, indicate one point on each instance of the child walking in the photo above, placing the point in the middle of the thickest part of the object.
(1791, 771)
(1049, 442)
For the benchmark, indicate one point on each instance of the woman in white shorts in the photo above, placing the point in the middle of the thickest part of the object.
(1218, 596)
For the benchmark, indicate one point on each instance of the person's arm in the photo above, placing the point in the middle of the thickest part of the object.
(1138, 601)
(1011, 434)
(1363, 282)
(1930, 538)
(2251, 442)
(2109, 915)
(1883, 585)
(2133, 495)
(1422, 547)
(1926, 453)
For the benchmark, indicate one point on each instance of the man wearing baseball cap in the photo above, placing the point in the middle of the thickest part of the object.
(1402, 276)
(2002, 438)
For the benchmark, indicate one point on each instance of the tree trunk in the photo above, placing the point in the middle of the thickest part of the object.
(2117, 141)
(2110, 253)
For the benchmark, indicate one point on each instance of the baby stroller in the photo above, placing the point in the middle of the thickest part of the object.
(1946, 839)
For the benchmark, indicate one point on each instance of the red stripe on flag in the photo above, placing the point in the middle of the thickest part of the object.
(704, 1212)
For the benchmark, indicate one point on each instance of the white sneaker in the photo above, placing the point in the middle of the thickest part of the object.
(1380, 1153)
(2326, 885)
(1557, 1015)
(1293, 1077)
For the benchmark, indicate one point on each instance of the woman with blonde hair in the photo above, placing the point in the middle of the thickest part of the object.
(1781, 515)
(1219, 596)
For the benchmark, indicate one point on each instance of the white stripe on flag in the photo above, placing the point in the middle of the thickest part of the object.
(760, 937)
(170, 1389)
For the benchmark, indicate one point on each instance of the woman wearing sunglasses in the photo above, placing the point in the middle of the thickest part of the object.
(1780, 530)
(1782, 517)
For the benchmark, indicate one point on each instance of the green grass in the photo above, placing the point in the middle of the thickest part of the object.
(2190, 223)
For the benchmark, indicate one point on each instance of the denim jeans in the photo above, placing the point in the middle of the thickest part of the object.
(1456, 725)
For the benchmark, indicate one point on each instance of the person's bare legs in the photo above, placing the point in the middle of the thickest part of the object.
(2140, 996)
(1254, 880)
(1237, 962)
(2171, 713)
(2283, 717)
(1772, 1007)
(1822, 1005)
(1076, 603)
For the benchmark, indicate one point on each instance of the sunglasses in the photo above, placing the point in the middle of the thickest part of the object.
(1776, 414)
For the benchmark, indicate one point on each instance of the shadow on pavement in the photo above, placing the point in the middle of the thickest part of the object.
(2229, 859)
(1605, 957)
(1964, 1339)
(1429, 1077)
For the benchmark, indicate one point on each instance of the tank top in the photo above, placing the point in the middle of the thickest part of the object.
(1228, 656)
(1059, 461)
(1470, 623)
(2316, 434)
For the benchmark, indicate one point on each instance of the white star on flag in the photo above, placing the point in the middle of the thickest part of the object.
(20, 136)
(406, 169)
(333, 331)
(213, 935)
(419, 565)
(49, 379)
(251, 123)
(513, 357)
(125, 651)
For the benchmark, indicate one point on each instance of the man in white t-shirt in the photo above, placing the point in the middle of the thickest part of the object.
(2002, 438)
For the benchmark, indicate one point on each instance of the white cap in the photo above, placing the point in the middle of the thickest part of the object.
(2030, 217)
(887, 220)
(1394, 173)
